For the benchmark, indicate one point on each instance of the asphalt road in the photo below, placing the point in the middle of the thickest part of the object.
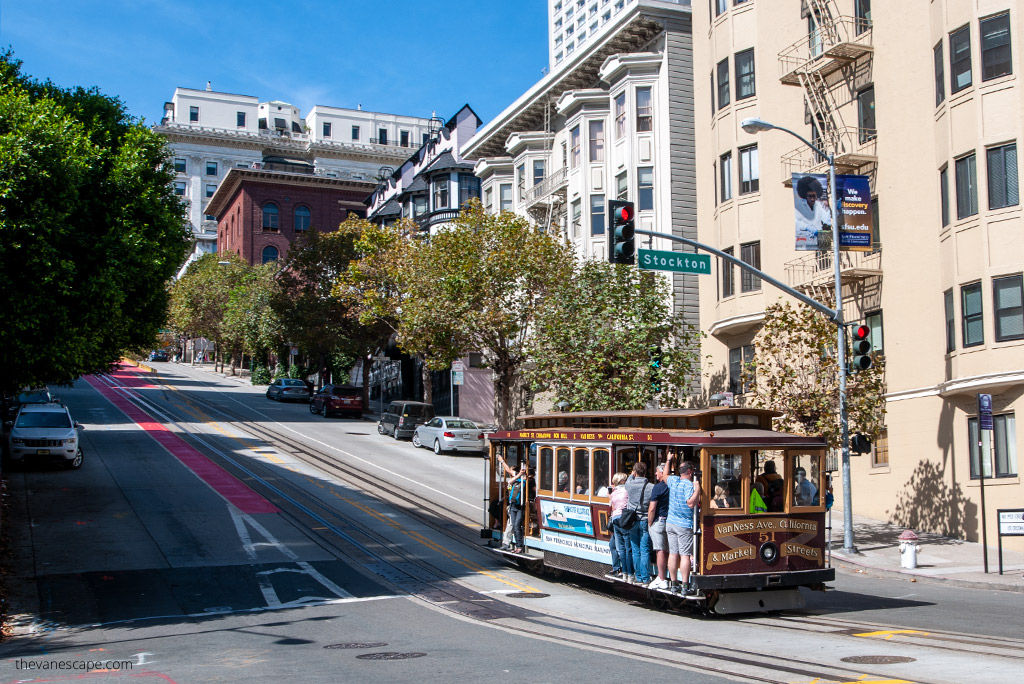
(348, 555)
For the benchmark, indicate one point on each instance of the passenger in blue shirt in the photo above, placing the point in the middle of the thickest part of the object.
(684, 492)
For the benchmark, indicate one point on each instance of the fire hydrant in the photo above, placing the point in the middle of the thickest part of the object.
(908, 549)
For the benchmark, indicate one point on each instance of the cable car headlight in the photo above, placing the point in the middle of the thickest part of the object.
(769, 553)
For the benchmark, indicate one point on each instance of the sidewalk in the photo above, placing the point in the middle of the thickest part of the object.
(939, 559)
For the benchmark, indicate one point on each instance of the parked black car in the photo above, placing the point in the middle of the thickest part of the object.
(36, 395)
(402, 418)
(332, 399)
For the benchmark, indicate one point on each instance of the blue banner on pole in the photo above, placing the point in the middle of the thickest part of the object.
(985, 411)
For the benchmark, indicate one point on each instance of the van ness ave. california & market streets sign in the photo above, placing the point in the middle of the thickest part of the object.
(674, 261)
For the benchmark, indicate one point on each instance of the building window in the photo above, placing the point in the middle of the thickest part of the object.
(355, 133)
(645, 188)
(596, 130)
(947, 305)
(970, 310)
(270, 216)
(944, 194)
(574, 138)
(750, 253)
(644, 110)
(488, 198)
(269, 254)
(720, 7)
(940, 77)
(577, 217)
(240, 119)
(538, 171)
(728, 276)
(880, 450)
(193, 114)
(597, 214)
(744, 65)
(382, 136)
(960, 59)
(505, 199)
(211, 168)
(725, 168)
(179, 188)
(302, 218)
(210, 189)
(521, 181)
(1002, 177)
(966, 187)
(620, 115)
(622, 186)
(1008, 300)
(995, 47)
(426, 138)
(326, 128)
(723, 83)
(180, 165)
(749, 173)
(862, 13)
(403, 138)
(280, 124)
(876, 337)
(420, 205)
(714, 180)
(1004, 446)
(469, 187)
(441, 193)
(739, 359)
(712, 91)
(866, 114)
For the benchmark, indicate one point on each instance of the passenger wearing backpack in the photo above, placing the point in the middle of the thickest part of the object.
(773, 485)
(519, 493)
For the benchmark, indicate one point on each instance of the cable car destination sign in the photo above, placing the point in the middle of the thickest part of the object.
(681, 262)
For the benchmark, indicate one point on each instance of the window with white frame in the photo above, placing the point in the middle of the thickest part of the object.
(179, 188)
(597, 214)
(505, 196)
(193, 114)
(521, 181)
(211, 188)
(1004, 447)
(1008, 301)
(382, 136)
(488, 198)
(327, 129)
(645, 188)
(644, 110)
(620, 115)
(596, 130)
(725, 168)
(403, 138)
(539, 167)
(577, 217)
(441, 192)
(211, 168)
(622, 186)
(420, 205)
(355, 132)
(469, 188)
(180, 165)
(240, 119)
(749, 173)
(574, 139)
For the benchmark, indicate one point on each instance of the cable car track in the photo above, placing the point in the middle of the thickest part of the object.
(305, 507)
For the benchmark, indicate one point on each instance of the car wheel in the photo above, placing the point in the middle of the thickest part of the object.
(380, 429)
(76, 462)
(268, 395)
(312, 408)
(416, 440)
(437, 447)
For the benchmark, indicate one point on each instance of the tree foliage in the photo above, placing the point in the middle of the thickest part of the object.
(795, 372)
(251, 323)
(91, 231)
(598, 334)
(199, 299)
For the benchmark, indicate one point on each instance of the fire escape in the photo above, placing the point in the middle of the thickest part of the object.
(545, 201)
(824, 64)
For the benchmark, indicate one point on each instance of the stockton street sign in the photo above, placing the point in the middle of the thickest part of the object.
(681, 262)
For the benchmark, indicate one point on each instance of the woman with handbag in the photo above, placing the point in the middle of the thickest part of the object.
(622, 558)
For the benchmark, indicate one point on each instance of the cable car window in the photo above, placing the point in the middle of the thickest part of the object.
(747, 419)
(806, 480)
(581, 472)
(725, 420)
(546, 468)
(563, 458)
(725, 479)
(770, 479)
(626, 458)
(602, 478)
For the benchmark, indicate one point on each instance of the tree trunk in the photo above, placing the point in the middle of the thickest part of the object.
(425, 378)
(366, 382)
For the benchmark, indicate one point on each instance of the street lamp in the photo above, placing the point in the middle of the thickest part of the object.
(754, 125)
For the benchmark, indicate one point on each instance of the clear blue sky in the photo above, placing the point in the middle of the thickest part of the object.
(395, 56)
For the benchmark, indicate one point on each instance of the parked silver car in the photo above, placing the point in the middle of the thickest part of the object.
(449, 433)
(45, 432)
(288, 389)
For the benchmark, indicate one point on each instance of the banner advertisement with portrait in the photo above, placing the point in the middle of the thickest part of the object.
(813, 212)
(854, 213)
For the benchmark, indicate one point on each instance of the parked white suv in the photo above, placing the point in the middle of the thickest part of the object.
(45, 432)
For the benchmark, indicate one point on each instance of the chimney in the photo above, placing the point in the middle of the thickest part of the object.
(209, 87)
(360, 106)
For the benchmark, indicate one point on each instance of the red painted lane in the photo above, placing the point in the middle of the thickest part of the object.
(129, 377)
(223, 482)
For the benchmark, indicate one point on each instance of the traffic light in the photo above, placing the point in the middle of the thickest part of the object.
(621, 247)
(655, 368)
(861, 346)
(860, 444)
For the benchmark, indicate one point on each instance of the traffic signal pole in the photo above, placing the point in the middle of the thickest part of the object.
(834, 315)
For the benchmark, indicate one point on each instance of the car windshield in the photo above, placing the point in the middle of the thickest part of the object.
(293, 383)
(33, 398)
(462, 425)
(43, 419)
(346, 392)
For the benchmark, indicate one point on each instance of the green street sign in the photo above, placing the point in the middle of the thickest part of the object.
(682, 262)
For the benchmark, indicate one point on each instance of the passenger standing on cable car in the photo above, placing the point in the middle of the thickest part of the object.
(518, 495)
(657, 514)
(618, 544)
(639, 490)
(683, 494)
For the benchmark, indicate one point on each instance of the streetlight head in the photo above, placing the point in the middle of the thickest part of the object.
(754, 125)
(223, 263)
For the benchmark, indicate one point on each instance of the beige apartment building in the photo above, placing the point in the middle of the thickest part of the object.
(942, 289)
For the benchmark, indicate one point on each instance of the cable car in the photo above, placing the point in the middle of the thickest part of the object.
(751, 552)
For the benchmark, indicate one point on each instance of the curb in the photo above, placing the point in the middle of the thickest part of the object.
(138, 364)
(847, 563)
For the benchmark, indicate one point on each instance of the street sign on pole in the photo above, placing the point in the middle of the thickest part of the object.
(458, 365)
(378, 358)
(984, 450)
(680, 262)
(457, 377)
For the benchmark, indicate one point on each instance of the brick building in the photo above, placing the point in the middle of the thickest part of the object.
(260, 212)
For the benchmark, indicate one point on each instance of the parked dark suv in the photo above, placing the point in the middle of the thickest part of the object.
(402, 418)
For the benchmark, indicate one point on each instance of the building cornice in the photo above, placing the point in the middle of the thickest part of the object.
(492, 166)
(235, 177)
(987, 383)
(526, 139)
(645, 62)
(571, 100)
(736, 324)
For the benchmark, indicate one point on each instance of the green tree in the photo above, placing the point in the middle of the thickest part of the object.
(251, 324)
(91, 231)
(598, 334)
(479, 286)
(199, 299)
(795, 372)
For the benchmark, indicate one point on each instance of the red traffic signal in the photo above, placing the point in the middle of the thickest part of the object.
(621, 238)
(624, 213)
(861, 346)
(861, 332)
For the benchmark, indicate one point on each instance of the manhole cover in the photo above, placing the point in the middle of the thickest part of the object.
(527, 594)
(386, 655)
(878, 660)
(358, 644)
